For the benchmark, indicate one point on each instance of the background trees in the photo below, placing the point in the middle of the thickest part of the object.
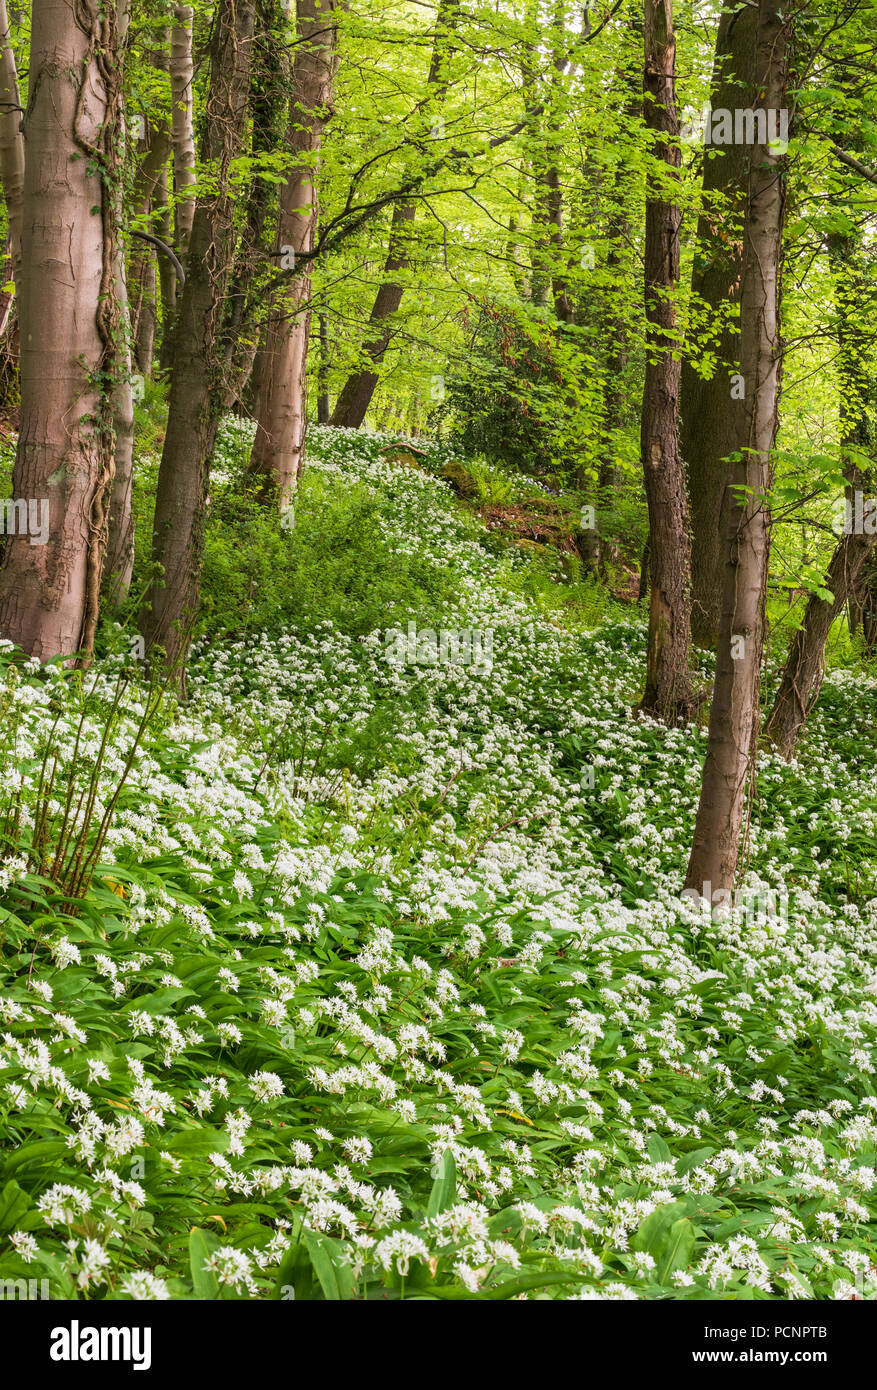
(478, 222)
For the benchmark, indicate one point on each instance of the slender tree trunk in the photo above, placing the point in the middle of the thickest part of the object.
(269, 100)
(195, 397)
(119, 560)
(550, 276)
(278, 449)
(49, 588)
(668, 693)
(356, 394)
(805, 664)
(182, 73)
(323, 406)
(710, 414)
(12, 178)
(11, 145)
(161, 223)
(617, 334)
(729, 767)
(167, 276)
(154, 152)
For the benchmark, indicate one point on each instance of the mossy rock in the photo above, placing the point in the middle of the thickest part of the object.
(461, 482)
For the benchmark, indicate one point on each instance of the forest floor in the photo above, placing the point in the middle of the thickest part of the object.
(383, 986)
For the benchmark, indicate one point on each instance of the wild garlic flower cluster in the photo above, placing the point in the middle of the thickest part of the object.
(409, 1006)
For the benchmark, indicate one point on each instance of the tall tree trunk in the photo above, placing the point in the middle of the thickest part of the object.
(49, 591)
(119, 560)
(549, 271)
(356, 394)
(805, 664)
(600, 551)
(182, 73)
(12, 179)
(269, 93)
(195, 397)
(11, 145)
(278, 449)
(161, 225)
(167, 275)
(323, 407)
(710, 415)
(154, 151)
(863, 603)
(668, 693)
(729, 767)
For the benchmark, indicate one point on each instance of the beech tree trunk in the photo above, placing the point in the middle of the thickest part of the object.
(195, 397)
(69, 325)
(805, 664)
(668, 693)
(729, 767)
(119, 559)
(269, 100)
(12, 179)
(617, 336)
(710, 420)
(323, 407)
(161, 222)
(11, 146)
(549, 272)
(154, 151)
(863, 603)
(182, 73)
(167, 275)
(278, 448)
(356, 394)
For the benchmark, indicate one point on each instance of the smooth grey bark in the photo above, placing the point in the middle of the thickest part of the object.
(49, 592)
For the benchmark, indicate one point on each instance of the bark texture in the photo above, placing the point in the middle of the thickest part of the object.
(195, 396)
(11, 145)
(278, 448)
(69, 326)
(729, 766)
(154, 150)
(182, 73)
(668, 692)
(269, 101)
(119, 558)
(710, 420)
(12, 179)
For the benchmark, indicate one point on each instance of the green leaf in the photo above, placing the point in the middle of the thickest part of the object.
(444, 1189)
(330, 1266)
(201, 1246)
(14, 1202)
(658, 1150)
(676, 1250)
